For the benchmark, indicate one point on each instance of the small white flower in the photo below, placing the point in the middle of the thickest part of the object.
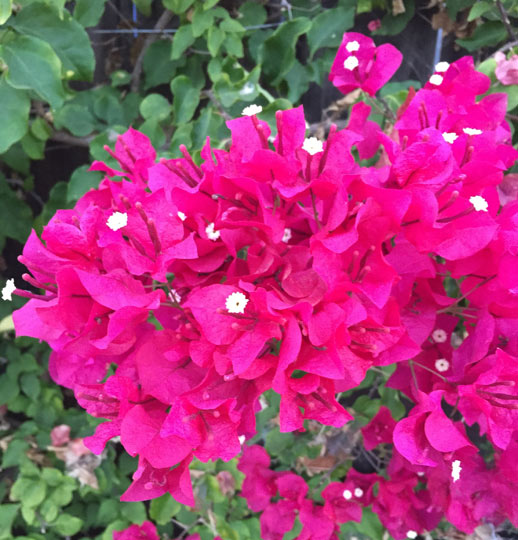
(236, 302)
(286, 237)
(472, 131)
(435, 79)
(352, 46)
(439, 335)
(420, 473)
(251, 110)
(174, 296)
(181, 215)
(242, 439)
(117, 220)
(347, 495)
(313, 146)
(211, 233)
(358, 492)
(479, 203)
(8, 290)
(441, 67)
(455, 470)
(411, 534)
(450, 137)
(351, 62)
(442, 365)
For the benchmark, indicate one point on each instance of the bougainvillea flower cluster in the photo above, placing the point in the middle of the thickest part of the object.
(178, 292)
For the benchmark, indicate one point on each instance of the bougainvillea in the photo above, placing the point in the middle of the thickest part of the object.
(283, 263)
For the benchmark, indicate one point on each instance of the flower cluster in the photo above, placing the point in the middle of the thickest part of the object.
(177, 293)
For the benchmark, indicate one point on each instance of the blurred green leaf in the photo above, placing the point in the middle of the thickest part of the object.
(328, 27)
(88, 12)
(15, 114)
(7, 514)
(157, 65)
(178, 6)
(144, 6)
(75, 118)
(33, 65)
(15, 215)
(201, 21)
(252, 13)
(185, 98)
(6, 7)
(478, 10)
(67, 525)
(30, 491)
(182, 40)
(394, 24)
(155, 106)
(215, 39)
(454, 6)
(161, 510)
(487, 34)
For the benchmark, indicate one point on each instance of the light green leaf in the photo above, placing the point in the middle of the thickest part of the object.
(201, 21)
(7, 514)
(478, 10)
(15, 114)
(5, 10)
(76, 118)
(88, 12)
(207, 4)
(15, 215)
(178, 6)
(511, 91)
(41, 129)
(33, 65)
(185, 98)
(252, 14)
(163, 509)
(65, 35)
(30, 385)
(215, 38)
(155, 106)
(231, 25)
(328, 27)
(33, 146)
(13, 454)
(135, 512)
(81, 181)
(182, 40)
(31, 491)
(67, 525)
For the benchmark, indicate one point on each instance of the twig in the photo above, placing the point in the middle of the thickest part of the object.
(162, 22)
(505, 20)
(508, 46)
(72, 140)
(215, 101)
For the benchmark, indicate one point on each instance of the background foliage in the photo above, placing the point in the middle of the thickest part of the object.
(75, 74)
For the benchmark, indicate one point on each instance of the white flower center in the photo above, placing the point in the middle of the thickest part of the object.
(286, 237)
(472, 131)
(479, 203)
(351, 62)
(242, 439)
(358, 492)
(251, 110)
(8, 290)
(313, 146)
(236, 302)
(352, 46)
(211, 233)
(117, 220)
(450, 137)
(174, 296)
(347, 495)
(455, 470)
(181, 215)
(435, 79)
(441, 67)
(411, 534)
(439, 335)
(442, 365)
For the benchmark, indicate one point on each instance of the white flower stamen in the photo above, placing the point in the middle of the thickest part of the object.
(347, 494)
(439, 335)
(436, 79)
(358, 492)
(455, 470)
(472, 131)
(313, 146)
(286, 237)
(479, 203)
(442, 365)
(8, 290)
(351, 62)
(117, 220)
(441, 67)
(236, 302)
(352, 46)
(251, 110)
(174, 296)
(211, 233)
(450, 137)
(242, 439)
(181, 215)
(411, 534)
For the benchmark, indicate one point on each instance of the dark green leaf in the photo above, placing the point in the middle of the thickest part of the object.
(394, 24)
(30, 385)
(233, 45)
(41, 129)
(178, 6)
(13, 454)
(15, 114)
(478, 10)
(487, 34)
(231, 25)
(185, 98)
(215, 38)
(328, 27)
(33, 146)
(135, 512)
(76, 118)
(182, 40)
(15, 215)
(252, 13)
(158, 66)
(33, 65)
(88, 12)
(65, 35)
(144, 6)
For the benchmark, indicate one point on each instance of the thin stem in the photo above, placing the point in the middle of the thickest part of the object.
(464, 296)
(430, 370)
(412, 371)
(505, 20)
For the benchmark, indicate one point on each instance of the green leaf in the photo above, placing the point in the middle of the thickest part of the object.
(67, 525)
(277, 442)
(178, 6)
(215, 39)
(135, 512)
(185, 99)
(512, 94)
(157, 65)
(52, 477)
(33, 146)
(41, 129)
(201, 21)
(31, 491)
(144, 6)
(231, 25)
(394, 24)
(75, 118)
(5, 10)
(252, 14)
(108, 108)
(163, 509)
(7, 514)
(88, 12)
(233, 45)
(108, 512)
(65, 35)
(182, 40)
(155, 106)
(15, 215)
(15, 114)
(30, 385)
(81, 181)
(13, 454)
(478, 9)
(278, 51)
(487, 34)
(454, 6)
(328, 27)
(33, 65)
